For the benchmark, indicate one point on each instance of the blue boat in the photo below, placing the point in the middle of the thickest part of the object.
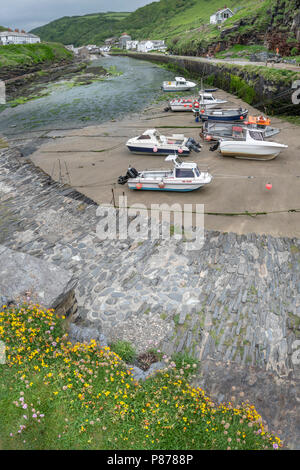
(221, 115)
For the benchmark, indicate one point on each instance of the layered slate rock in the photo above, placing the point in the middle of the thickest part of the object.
(25, 277)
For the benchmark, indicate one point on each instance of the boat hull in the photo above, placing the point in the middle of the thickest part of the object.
(160, 151)
(222, 118)
(171, 89)
(250, 152)
(152, 185)
(249, 156)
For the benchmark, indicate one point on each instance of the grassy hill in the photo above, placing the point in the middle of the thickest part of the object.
(30, 54)
(82, 30)
(185, 25)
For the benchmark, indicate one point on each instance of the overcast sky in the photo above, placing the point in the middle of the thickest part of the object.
(29, 14)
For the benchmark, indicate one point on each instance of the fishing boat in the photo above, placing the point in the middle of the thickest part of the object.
(223, 115)
(251, 145)
(180, 84)
(205, 99)
(212, 131)
(151, 142)
(183, 177)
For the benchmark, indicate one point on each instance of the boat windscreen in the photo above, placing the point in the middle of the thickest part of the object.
(180, 173)
(256, 135)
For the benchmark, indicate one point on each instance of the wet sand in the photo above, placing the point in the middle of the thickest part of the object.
(91, 160)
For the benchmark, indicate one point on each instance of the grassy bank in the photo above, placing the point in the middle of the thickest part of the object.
(30, 54)
(55, 395)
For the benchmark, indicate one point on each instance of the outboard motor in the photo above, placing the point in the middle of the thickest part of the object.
(214, 147)
(193, 145)
(131, 173)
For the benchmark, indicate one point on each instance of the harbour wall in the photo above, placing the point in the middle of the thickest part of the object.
(266, 88)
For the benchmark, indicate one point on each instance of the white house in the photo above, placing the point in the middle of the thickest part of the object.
(16, 37)
(132, 45)
(123, 39)
(149, 45)
(221, 15)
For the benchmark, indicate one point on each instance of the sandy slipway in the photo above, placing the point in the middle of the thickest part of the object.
(93, 158)
(234, 304)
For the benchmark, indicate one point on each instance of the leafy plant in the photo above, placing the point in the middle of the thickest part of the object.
(124, 350)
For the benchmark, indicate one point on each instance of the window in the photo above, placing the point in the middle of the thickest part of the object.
(184, 173)
(144, 137)
(256, 135)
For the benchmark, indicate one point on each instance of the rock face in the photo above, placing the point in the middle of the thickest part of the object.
(26, 277)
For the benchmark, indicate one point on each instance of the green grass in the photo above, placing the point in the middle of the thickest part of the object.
(241, 51)
(30, 54)
(55, 395)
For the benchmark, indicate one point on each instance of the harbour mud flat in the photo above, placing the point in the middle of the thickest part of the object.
(92, 158)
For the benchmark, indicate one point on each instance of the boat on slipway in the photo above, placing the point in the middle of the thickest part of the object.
(184, 177)
(220, 115)
(251, 145)
(212, 131)
(180, 84)
(151, 142)
(205, 99)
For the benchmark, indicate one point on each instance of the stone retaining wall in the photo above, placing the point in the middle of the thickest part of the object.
(247, 82)
(235, 302)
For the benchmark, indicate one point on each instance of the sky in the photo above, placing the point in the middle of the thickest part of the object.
(29, 14)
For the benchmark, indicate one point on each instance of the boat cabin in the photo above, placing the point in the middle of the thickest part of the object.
(180, 81)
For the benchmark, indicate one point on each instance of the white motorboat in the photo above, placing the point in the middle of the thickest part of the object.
(151, 142)
(205, 99)
(180, 84)
(251, 145)
(184, 177)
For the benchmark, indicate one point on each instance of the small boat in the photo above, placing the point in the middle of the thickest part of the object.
(180, 84)
(215, 130)
(205, 99)
(223, 115)
(252, 146)
(151, 142)
(184, 177)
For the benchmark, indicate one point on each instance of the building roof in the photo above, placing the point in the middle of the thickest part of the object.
(15, 33)
(222, 10)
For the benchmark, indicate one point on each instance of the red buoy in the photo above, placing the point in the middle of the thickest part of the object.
(180, 151)
(269, 186)
(155, 149)
(138, 186)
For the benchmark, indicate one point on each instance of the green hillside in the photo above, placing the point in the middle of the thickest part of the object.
(185, 25)
(82, 30)
(15, 55)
